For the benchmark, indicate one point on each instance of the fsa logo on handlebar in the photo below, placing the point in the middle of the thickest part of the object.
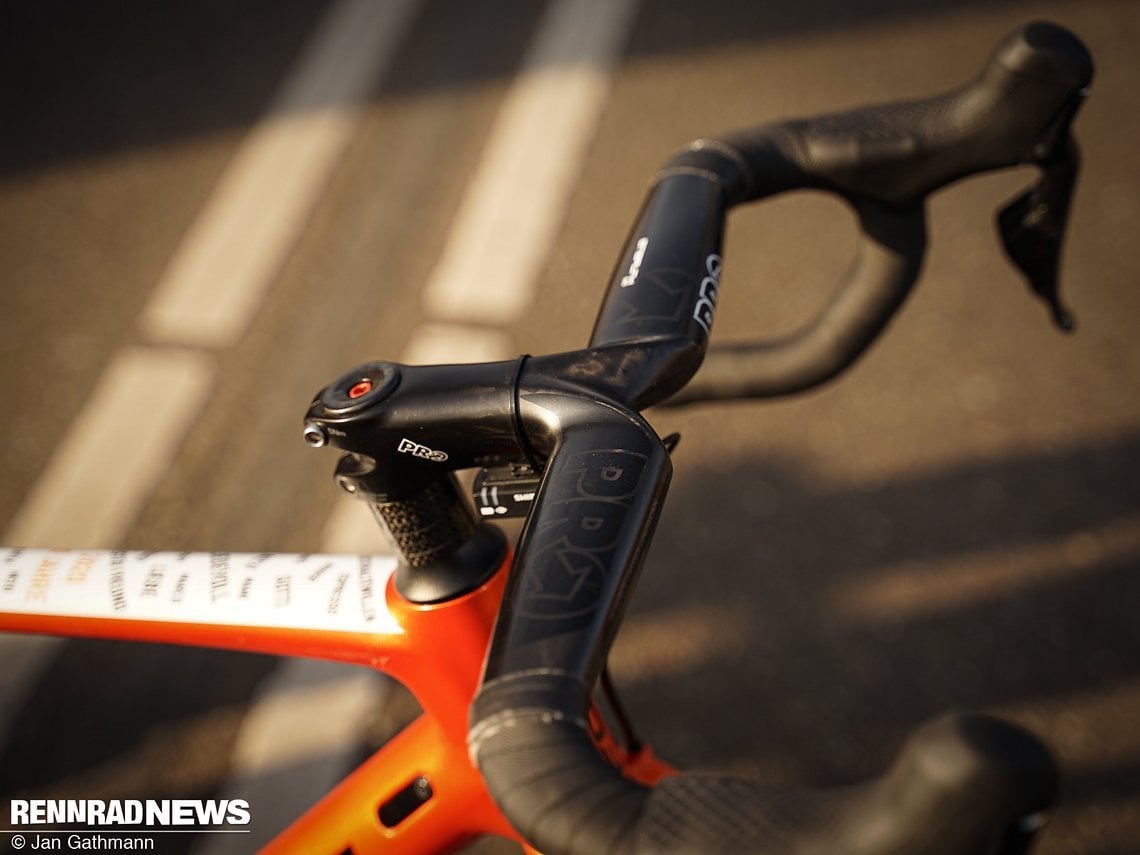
(406, 446)
(705, 308)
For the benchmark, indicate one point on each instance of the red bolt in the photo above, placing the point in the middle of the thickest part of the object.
(360, 389)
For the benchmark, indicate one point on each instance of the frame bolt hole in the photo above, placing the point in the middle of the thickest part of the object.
(406, 802)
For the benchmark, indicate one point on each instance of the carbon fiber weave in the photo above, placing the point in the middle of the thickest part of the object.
(428, 525)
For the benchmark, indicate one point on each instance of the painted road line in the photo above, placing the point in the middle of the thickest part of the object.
(507, 222)
(219, 275)
(140, 411)
(25, 657)
(282, 733)
(297, 741)
(350, 529)
(115, 451)
(221, 271)
(913, 590)
(454, 344)
(112, 456)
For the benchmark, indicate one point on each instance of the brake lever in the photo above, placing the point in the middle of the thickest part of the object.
(1032, 227)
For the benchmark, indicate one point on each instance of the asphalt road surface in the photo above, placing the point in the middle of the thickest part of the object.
(953, 524)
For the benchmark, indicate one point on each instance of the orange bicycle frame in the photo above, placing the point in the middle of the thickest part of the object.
(420, 792)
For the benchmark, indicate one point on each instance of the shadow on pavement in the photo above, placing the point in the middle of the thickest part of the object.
(97, 80)
(1011, 585)
(1008, 584)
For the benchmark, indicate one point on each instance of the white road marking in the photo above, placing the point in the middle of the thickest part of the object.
(115, 451)
(214, 284)
(25, 657)
(111, 458)
(221, 272)
(454, 344)
(915, 589)
(296, 742)
(351, 529)
(223, 268)
(511, 213)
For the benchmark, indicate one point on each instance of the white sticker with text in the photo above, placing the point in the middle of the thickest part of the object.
(323, 592)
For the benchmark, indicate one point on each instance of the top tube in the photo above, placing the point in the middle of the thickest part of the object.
(336, 593)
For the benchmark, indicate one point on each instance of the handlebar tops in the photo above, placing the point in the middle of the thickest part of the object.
(964, 784)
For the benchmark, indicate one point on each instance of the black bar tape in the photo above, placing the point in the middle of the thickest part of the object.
(960, 785)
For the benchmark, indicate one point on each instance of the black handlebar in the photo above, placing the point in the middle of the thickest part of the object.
(885, 160)
(962, 785)
(966, 784)
(1017, 110)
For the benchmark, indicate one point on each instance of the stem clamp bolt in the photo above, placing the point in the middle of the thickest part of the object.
(315, 435)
